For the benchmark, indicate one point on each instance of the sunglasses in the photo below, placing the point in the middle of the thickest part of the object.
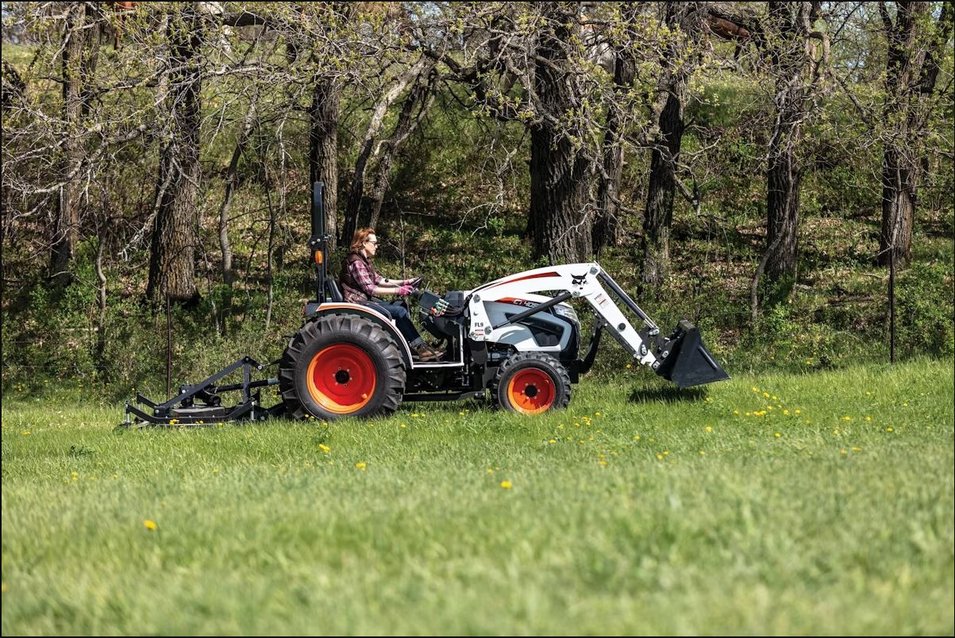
(369, 241)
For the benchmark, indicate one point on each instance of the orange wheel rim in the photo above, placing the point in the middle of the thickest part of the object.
(531, 391)
(341, 378)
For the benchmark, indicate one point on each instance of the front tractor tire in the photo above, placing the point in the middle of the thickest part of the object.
(531, 383)
(341, 365)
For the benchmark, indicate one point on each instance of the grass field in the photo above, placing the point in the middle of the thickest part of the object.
(788, 504)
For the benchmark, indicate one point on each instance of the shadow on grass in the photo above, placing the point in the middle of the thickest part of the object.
(667, 394)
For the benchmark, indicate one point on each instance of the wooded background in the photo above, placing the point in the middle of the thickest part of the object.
(758, 166)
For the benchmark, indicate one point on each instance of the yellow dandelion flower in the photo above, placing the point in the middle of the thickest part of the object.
(857, 449)
(868, 418)
(736, 412)
(889, 429)
(755, 389)
(552, 441)
(659, 457)
(25, 433)
(324, 448)
(777, 434)
(708, 428)
(150, 525)
(596, 413)
(506, 485)
(765, 395)
(402, 425)
(636, 437)
(847, 418)
(490, 470)
(702, 453)
(797, 411)
(786, 412)
(361, 465)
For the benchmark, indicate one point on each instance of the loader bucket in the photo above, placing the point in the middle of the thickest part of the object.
(686, 361)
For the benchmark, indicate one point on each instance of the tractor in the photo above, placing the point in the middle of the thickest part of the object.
(515, 339)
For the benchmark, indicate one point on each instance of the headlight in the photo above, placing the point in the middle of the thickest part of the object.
(567, 312)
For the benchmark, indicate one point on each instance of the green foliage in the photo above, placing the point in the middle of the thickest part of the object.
(924, 319)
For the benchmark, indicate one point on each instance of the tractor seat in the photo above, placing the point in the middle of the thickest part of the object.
(334, 292)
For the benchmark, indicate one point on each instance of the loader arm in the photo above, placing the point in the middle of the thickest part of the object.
(574, 281)
(681, 357)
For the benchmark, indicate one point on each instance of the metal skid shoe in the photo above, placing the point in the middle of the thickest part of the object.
(200, 404)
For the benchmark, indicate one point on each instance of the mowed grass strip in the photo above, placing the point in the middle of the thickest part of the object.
(788, 504)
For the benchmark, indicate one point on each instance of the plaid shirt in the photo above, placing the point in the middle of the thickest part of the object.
(366, 277)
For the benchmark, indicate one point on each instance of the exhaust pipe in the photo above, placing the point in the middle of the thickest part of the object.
(686, 361)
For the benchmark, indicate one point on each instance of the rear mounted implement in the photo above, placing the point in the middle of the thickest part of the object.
(201, 403)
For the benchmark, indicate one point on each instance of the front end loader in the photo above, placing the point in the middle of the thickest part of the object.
(516, 340)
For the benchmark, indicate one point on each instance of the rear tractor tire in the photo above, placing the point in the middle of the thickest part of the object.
(341, 365)
(531, 383)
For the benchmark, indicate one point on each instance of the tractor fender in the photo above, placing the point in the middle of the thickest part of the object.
(344, 308)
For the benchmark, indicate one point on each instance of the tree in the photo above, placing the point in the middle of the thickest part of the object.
(915, 46)
(78, 60)
(174, 239)
(529, 63)
(785, 39)
(789, 28)
(684, 20)
(607, 226)
(376, 154)
(560, 213)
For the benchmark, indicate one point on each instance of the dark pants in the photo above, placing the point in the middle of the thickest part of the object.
(402, 319)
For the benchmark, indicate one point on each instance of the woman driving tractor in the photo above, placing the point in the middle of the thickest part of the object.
(360, 282)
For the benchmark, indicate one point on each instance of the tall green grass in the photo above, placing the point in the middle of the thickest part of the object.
(787, 504)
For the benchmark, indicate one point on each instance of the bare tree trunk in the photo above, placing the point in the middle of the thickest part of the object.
(323, 149)
(661, 188)
(371, 148)
(658, 216)
(12, 88)
(607, 230)
(232, 182)
(789, 25)
(906, 110)
(174, 239)
(413, 110)
(558, 220)
(99, 353)
(66, 226)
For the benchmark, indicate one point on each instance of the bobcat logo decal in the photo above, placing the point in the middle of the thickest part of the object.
(578, 280)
